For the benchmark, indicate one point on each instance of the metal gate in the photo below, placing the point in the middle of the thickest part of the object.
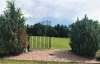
(40, 39)
(40, 42)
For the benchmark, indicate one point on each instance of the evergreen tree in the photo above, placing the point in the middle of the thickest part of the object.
(13, 37)
(61, 31)
(85, 37)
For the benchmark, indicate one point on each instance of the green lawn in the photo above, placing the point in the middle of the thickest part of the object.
(56, 43)
(31, 62)
(60, 43)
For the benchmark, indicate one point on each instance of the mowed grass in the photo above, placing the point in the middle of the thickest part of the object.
(56, 43)
(60, 43)
(31, 62)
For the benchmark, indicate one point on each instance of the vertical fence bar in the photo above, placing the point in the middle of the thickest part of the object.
(49, 42)
(32, 41)
(36, 41)
(45, 42)
(41, 41)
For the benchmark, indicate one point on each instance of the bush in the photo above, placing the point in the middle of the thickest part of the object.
(85, 37)
(13, 37)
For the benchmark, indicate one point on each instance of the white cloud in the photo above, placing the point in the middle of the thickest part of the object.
(2, 5)
(58, 9)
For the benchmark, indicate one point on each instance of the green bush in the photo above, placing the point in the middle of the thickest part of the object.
(13, 37)
(85, 37)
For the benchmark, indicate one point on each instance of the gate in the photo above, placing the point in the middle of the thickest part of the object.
(38, 37)
(40, 42)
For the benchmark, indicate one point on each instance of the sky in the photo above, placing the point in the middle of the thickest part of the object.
(57, 11)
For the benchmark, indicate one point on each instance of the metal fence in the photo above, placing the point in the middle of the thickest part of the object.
(40, 42)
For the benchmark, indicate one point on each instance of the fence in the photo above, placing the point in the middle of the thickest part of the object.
(40, 42)
(41, 39)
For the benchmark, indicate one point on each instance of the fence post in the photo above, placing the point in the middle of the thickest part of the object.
(50, 43)
(28, 47)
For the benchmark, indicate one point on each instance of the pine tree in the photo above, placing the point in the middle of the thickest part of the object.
(85, 37)
(13, 37)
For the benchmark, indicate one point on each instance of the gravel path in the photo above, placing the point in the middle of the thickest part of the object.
(51, 55)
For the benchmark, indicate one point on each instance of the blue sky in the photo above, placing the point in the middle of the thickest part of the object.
(57, 11)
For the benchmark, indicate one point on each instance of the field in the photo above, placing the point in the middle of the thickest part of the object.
(60, 43)
(37, 42)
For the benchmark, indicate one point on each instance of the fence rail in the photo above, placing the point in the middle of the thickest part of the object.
(40, 42)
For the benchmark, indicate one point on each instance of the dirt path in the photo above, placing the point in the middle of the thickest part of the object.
(51, 55)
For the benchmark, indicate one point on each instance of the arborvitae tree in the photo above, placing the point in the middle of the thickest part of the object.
(13, 37)
(85, 37)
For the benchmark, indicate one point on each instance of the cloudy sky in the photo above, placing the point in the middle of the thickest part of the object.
(57, 11)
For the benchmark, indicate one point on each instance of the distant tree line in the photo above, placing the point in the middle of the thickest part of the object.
(47, 30)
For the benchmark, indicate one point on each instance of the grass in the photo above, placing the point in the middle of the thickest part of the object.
(31, 62)
(60, 43)
(39, 42)
(56, 43)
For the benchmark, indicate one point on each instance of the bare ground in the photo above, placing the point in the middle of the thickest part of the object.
(52, 55)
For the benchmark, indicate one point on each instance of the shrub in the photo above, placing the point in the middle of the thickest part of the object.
(85, 37)
(13, 37)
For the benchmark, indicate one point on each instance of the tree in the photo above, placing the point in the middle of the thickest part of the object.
(49, 31)
(38, 29)
(61, 31)
(85, 37)
(13, 37)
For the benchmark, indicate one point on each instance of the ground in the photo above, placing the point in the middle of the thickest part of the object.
(52, 55)
(59, 52)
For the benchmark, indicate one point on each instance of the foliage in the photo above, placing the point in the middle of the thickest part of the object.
(62, 30)
(34, 30)
(85, 37)
(47, 30)
(13, 37)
